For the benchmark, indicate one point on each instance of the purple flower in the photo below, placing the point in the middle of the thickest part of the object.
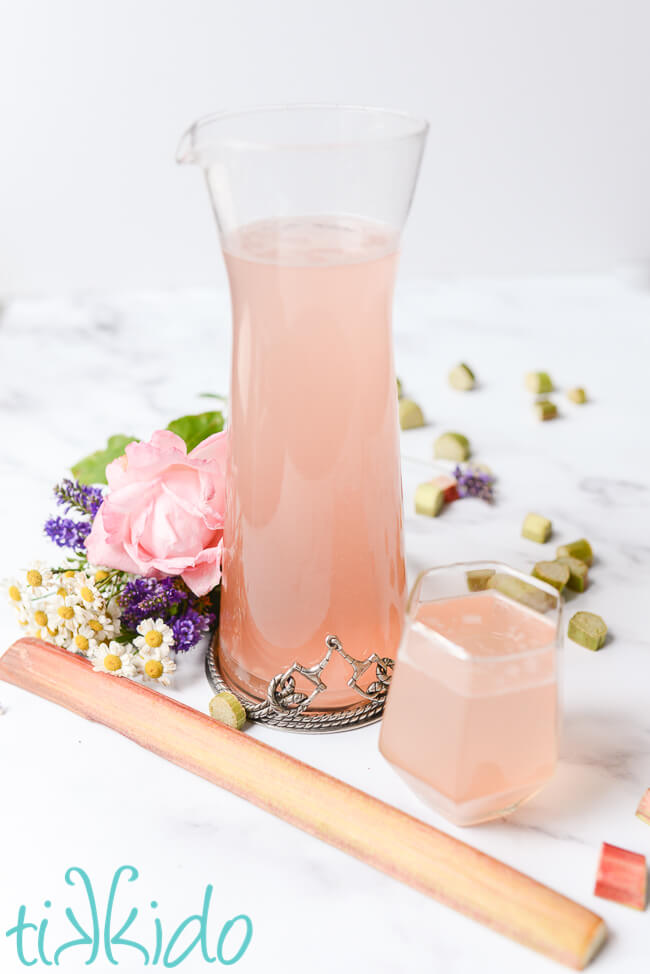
(75, 496)
(147, 598)
(168, 599)
(189, 628)
(66, 533)
(473, 482)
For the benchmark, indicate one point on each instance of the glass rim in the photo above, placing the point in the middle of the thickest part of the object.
(418, 127)
(466, 657)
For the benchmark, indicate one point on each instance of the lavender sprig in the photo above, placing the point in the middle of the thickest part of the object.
(146, 598)
(74, 496)
(66, 533)
(189, 628)
(472, 482)
(168, 599)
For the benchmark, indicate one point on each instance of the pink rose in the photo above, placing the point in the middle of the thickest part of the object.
(163, 513)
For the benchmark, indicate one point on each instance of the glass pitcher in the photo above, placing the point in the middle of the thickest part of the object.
(310, 202)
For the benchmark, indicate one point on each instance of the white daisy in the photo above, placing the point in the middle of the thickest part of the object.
(155, 667)
(81, 584)
(38, 618)
(99, 575)
(96, 625)
(89, 595)
(61, 612)
(85, 641)
(24, 621)
(47, 635)
(63, 638)
(154, 635)
(39, 579)
(114, 658)
(14, 592)
(66, 580)
(114, 611)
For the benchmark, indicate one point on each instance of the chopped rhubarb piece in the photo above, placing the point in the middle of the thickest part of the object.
(410, 414)
(429, 500)
(449, 487)
(545, 409)
(536, 528)
(461, 377)
(539, 382)
(588, 630)
(478, 578)
(622, 877)
(552, 573)
(580, 549)
(643, 811)
(578, 571)
(577, 394)
(452, 446)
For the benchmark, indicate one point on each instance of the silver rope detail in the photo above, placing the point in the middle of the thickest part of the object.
(287, 707)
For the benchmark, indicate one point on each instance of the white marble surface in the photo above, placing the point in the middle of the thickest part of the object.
(72, 793)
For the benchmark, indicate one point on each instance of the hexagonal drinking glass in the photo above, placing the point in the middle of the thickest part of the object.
(472, 716)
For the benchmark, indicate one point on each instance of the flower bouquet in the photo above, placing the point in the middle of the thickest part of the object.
(140, 583)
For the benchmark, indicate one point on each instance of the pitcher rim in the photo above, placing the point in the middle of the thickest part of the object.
(418, 129)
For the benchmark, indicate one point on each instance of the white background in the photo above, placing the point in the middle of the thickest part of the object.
(538, 158)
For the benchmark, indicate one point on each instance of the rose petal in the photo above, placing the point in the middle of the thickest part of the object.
(202, 577)
(101, 551)
(213, 447)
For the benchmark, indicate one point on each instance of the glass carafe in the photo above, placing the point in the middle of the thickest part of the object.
(310, 203)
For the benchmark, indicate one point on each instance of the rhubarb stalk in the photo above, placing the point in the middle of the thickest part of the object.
(405, 848)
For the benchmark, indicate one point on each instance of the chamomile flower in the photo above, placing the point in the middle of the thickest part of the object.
(61, 612)
(97, 625)
(114, 611)
(69, 576)
(154, 635)
(88, 593)
(14, 592)
(155, 666)
(38, 579)
(114, 658)
(47, 635)
(100, 575)
(38, 617)
(85, 641)
(24, 619)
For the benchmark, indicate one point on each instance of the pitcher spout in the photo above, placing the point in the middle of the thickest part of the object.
(186, 151)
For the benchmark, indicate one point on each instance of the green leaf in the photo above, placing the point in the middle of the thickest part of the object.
(213, 395)
(92, 469)
(195, 429)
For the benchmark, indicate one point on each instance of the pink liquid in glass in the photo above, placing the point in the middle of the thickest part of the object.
(313, 537)
(471, 718)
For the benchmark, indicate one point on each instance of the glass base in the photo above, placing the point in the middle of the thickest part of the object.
(475, 811)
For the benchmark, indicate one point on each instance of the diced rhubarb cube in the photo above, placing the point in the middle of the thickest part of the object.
(622, 877)
(643, 811)
(448, 486)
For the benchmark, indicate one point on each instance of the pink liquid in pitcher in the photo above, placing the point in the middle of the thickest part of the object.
(313, 538)
(471, 718)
